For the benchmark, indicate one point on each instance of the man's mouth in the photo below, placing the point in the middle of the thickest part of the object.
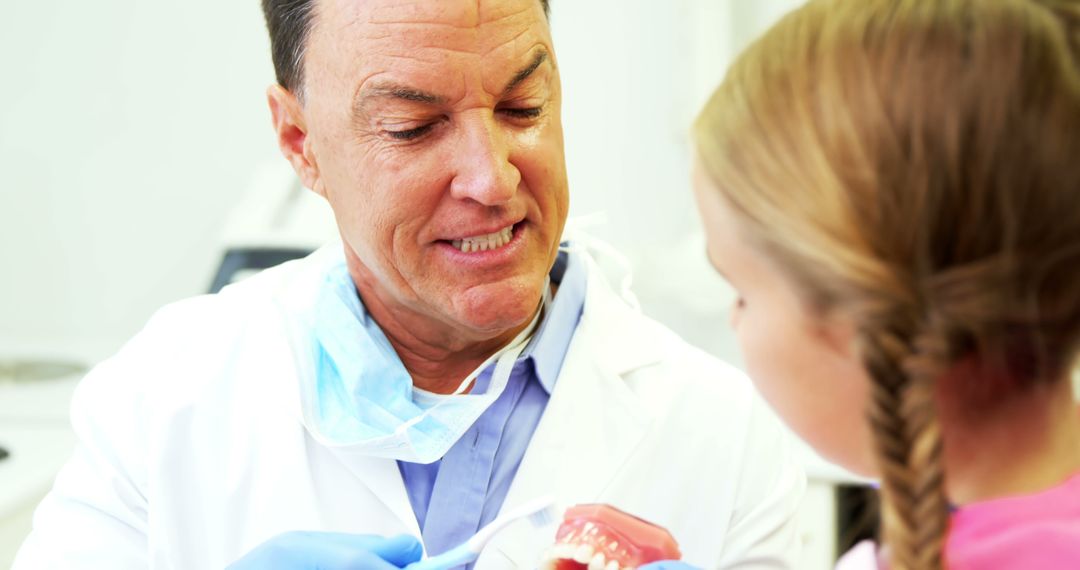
(487, 242)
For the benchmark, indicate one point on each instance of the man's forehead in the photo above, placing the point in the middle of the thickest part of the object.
(427, 44)
(462, 14)
(355, 33)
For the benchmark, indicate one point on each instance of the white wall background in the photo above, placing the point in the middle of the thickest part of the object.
(634, 79)
(129, 130)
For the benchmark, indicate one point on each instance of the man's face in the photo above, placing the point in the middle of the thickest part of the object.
(428, 123)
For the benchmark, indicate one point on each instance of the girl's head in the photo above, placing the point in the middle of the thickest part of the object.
(893, 187)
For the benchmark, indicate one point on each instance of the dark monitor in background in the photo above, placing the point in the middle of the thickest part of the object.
(239, 263)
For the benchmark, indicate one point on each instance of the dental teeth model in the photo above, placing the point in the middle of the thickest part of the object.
(601, 537)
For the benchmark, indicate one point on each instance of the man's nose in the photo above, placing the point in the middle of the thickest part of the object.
(484, 172)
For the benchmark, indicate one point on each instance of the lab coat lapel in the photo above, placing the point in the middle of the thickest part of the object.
(383, 478)
(592, 424)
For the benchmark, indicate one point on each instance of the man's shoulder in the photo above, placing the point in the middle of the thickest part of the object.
(705, 403)
(189, 346)
(654, 361)
(225, 311)
(667, 375)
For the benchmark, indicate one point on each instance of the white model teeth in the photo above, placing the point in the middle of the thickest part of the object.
(485, 243)
(580, 553)
(583, 554)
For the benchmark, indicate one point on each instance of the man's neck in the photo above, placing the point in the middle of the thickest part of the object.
(1027, 444)
(437, 356)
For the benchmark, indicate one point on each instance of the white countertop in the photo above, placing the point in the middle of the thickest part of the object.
(37, 453)
(35, 430)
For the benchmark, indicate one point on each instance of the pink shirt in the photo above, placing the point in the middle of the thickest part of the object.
(1039, 531)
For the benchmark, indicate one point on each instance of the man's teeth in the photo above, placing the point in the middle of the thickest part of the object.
(485, 243)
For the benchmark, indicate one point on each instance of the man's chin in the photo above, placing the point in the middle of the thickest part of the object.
(494, 311)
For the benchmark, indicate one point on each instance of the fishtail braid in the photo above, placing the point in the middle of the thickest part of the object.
(908, 443)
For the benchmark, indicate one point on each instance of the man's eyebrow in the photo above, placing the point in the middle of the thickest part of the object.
(405, 93)
(538, 60)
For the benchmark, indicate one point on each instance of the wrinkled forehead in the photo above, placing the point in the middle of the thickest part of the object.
(453, 13)
(353, 40)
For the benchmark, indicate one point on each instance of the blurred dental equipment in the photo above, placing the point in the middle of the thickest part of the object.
(276, 221)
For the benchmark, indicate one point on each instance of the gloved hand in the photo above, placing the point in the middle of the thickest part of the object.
(668, 565)
(331, 551)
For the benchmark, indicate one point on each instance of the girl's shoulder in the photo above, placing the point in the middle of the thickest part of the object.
(1042, 528)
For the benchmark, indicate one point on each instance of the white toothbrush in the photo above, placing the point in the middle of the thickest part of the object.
(540, 512)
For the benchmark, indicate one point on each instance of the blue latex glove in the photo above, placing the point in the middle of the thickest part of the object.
(668, 565)
(331, 551)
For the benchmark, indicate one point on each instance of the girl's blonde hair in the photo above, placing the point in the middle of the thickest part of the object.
(914, 165)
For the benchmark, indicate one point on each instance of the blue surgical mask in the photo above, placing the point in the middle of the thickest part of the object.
(362, 397)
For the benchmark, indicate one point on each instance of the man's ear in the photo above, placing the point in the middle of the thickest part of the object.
(290, 124)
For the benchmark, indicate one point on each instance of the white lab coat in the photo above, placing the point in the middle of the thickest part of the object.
(192, 449)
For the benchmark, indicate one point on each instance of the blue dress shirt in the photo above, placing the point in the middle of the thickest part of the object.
(457, 495)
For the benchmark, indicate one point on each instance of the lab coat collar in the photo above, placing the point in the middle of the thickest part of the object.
(296, 297)
(613, 326)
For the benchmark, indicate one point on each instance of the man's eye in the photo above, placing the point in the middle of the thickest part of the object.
(410, 134)
(526, 113)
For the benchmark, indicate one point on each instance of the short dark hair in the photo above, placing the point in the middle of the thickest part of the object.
(289, 24)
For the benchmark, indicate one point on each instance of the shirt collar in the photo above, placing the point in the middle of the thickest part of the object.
(549, 345)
